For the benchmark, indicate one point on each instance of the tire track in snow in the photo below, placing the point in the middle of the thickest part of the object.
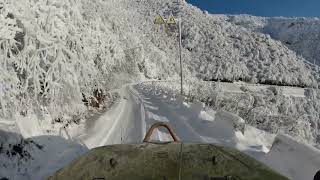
(177, 119)
(119, 124)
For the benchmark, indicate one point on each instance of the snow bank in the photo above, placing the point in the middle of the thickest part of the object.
(269, 108)
(35, 158)
(293, 159)
(29, 126)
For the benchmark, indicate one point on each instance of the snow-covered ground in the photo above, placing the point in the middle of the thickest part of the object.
(138, 108)
(267, 107)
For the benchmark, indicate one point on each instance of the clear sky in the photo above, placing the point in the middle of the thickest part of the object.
(297, 8)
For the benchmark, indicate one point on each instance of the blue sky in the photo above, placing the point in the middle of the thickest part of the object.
(297, 8)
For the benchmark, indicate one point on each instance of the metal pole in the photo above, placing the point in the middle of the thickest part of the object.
(180, 54)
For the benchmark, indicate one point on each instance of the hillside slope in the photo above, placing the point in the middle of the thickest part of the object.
(298, 34)
(217, 49)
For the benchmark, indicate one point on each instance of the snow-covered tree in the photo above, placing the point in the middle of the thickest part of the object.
(67, 54)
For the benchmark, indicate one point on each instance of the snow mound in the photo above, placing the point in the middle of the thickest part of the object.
(293, 159)
(35, 158)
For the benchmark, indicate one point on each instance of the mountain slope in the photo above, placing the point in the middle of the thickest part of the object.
(217, 49)
(298, 34)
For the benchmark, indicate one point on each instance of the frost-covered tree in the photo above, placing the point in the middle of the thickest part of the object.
(67, 53)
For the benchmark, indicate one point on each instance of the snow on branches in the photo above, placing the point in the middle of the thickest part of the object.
(57, 63)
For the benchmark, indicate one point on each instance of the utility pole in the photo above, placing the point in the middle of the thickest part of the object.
(180, 55)
(180, 47)
(171, 20)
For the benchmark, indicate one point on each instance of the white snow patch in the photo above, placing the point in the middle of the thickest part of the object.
(293, 159)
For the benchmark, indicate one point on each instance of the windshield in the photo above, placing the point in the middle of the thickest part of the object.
(77, 75)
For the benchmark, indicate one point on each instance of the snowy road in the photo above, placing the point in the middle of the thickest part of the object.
(141, 106)
(123, 123)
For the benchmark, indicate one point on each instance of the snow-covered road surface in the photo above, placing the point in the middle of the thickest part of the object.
(123, 123)
(141, 106)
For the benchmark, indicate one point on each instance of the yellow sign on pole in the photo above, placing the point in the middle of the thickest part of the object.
(171, 20)
(159, 20)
